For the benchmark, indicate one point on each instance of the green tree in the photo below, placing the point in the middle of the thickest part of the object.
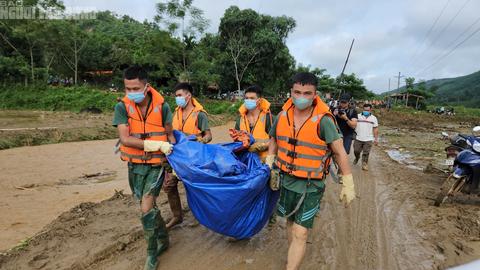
(27, 38)
(350, 83)
(409, 83)
(174, 14)
(255, 42)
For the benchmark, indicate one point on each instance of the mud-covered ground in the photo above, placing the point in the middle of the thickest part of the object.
(391, 225)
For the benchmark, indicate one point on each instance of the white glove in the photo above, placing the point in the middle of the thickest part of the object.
(269, 160)
(153, 146)
(348, 189)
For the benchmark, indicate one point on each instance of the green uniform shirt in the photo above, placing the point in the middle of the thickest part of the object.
(202, 122)
(268, 124)
(329, 133)
(121, 117)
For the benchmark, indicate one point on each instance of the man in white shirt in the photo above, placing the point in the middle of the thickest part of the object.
(367, 134)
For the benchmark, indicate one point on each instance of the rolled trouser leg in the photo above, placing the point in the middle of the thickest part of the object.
(367, 146)
(171, 188)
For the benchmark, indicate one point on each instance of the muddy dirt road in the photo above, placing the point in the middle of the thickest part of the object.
(391, 225)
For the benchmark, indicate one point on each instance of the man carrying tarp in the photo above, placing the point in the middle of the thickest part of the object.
(256, 119)
(191, 119)
(303, 138)
(144, 126)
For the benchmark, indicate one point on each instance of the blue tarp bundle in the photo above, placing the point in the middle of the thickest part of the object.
(227, 191)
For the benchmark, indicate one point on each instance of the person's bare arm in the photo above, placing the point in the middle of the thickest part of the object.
(375, 134)
(340, 156)
(272, 147)
(169, 131)
(352, 123)
(207, 136)
(126, 139)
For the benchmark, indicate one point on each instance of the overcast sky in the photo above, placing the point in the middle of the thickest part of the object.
(390, 36)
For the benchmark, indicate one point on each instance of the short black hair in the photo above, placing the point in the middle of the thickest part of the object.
(367, 105)
(184, 86)
(135, 72)
(305, 78)
(254, 89)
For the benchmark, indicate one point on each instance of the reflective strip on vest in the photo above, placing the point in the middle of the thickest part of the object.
(293, 167)
(147, 134)
(296, 142)
(298, 155)
(142, 157)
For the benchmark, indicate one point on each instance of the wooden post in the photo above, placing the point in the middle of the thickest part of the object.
(416, 104)
(406, 102)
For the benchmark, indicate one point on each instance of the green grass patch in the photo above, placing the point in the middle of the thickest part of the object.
(56, 98)
(74, 99)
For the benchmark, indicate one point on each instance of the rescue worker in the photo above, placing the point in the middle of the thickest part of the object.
(256, 119)
(303, 138)
(144, 123)
(191, 119)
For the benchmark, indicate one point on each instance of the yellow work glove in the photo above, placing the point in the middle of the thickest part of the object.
(153, 146)
(258, 147)
(348, 189)
(274, 181)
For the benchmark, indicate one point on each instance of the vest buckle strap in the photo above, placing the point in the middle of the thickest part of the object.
(292, 141)
(292, 154)
(290, 167)
(147, 156)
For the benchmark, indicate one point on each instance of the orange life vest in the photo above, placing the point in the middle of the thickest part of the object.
(190, 125)
(303, 153)
(150, 128)
(258, 132)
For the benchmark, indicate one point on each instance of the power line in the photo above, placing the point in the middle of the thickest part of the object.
(456, 39)
(444, 29)
(430, 30)
(451, 51)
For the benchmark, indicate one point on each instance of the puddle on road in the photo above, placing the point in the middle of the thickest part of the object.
(403, 158)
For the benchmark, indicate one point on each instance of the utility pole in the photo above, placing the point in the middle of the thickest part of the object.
(344, 66)
(388, 84)
(399, 76)
(348, 56)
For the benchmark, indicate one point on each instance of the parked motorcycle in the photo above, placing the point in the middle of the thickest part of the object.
(465, 172)
(457, 144)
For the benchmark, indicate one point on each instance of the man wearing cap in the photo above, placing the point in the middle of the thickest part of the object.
(347, 120)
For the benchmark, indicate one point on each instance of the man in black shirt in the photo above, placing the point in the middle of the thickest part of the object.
(347, 120)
